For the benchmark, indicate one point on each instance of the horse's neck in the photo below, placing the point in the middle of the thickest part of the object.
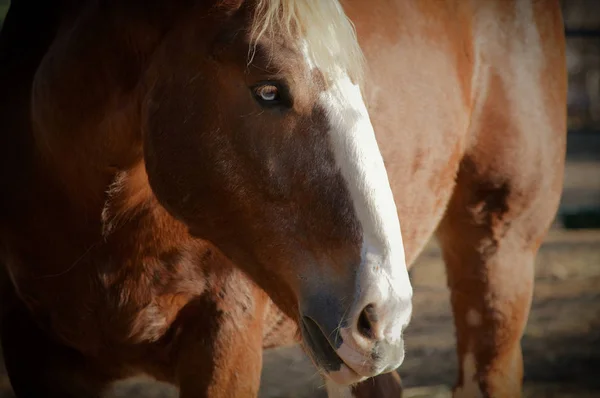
(25, 37)
(79, 89)
(85, 125)
(130, 197)
(72, 159)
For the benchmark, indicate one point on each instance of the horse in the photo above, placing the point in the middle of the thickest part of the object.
(188, 182)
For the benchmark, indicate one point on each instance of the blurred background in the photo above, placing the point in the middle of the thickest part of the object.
(561, 344)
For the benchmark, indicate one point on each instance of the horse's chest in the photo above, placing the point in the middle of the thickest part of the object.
(91, 310)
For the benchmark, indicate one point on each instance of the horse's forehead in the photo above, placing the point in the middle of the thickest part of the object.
(306, 53)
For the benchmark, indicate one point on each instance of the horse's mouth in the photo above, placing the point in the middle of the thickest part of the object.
(323, 353)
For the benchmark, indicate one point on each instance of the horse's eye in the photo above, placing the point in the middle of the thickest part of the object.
(273, 94)
(267, 94)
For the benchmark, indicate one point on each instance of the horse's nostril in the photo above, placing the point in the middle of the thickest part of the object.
(366, 321)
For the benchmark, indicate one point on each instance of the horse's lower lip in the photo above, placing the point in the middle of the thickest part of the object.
(324, 354)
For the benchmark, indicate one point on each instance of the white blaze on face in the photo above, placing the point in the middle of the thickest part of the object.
(382, 279)
(357, 154)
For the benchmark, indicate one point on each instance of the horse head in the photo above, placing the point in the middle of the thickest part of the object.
(257, 137)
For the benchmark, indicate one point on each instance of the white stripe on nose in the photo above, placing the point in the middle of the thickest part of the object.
(361, 164)
(382, 303)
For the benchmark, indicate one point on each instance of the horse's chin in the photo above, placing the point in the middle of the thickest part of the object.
(345, 376)
(325, 357)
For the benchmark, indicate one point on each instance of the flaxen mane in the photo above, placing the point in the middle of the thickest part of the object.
(328, 34)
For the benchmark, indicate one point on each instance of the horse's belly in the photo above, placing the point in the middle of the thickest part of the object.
(422, 182)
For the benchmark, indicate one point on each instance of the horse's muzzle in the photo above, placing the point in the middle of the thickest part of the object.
(359, 344)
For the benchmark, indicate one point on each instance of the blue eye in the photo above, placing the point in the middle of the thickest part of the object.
(273, 95)
(267, 93)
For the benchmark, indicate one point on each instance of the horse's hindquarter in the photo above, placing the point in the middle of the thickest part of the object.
(419, 58)
(518, 122)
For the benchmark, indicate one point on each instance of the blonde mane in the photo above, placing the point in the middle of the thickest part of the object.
(329, 34)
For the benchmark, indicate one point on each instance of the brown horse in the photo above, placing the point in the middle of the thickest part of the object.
(175, 173)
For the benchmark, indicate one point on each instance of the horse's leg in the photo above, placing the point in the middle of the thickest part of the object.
(37, 366)
(490, 236)
(507, 192)
(219, 353)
